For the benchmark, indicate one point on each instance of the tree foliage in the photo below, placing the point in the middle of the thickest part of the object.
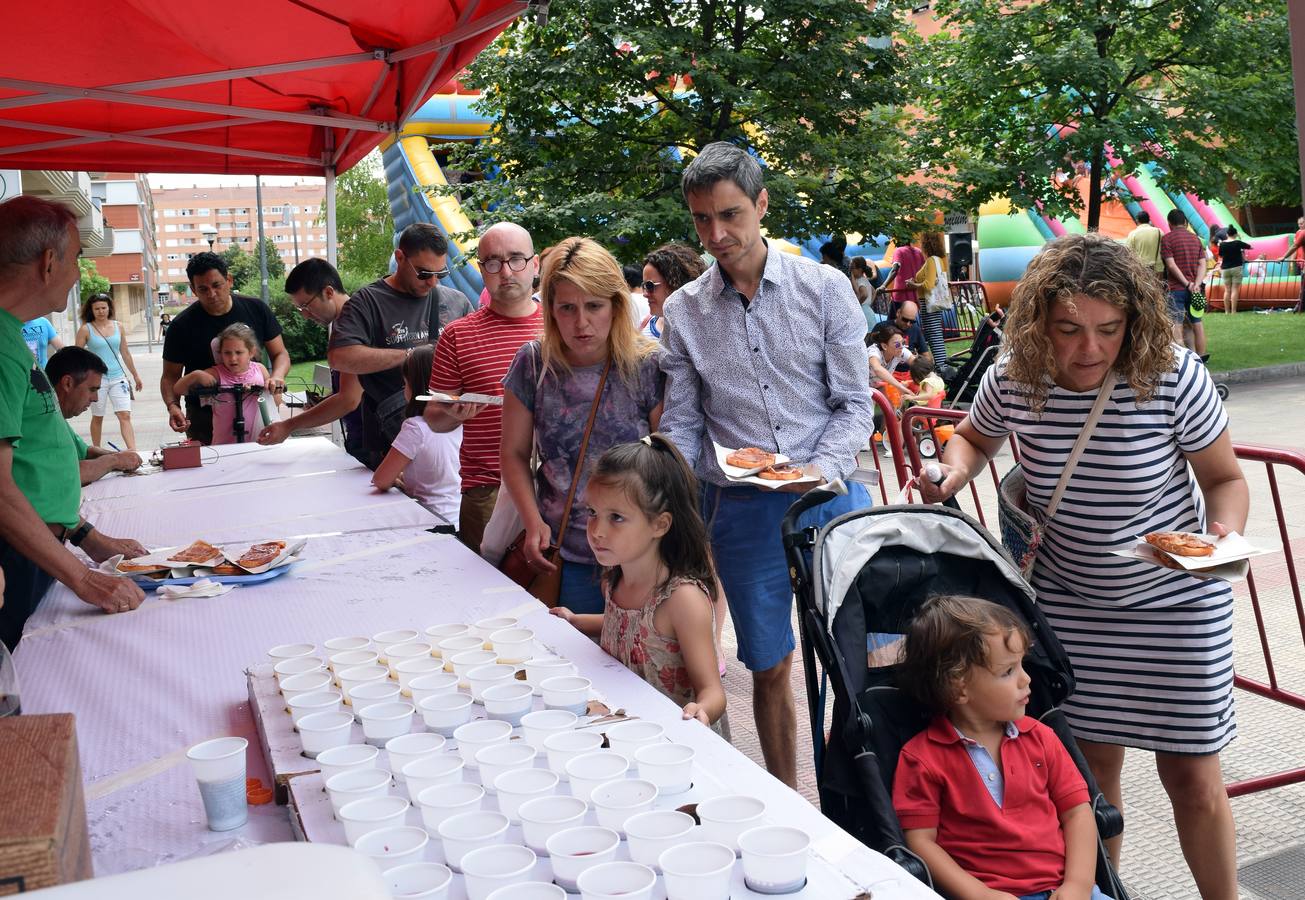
(364, 227)
(92, 282)
(244, 270)
(1166, 81)
(596, 114)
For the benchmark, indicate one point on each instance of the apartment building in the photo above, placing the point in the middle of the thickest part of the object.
(132, 269)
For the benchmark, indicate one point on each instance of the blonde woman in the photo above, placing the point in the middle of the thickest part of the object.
(549, 391)
(1149, 644)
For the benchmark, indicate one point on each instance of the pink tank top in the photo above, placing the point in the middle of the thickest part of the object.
(224, 405)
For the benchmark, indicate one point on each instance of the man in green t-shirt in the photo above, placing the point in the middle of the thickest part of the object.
(76, 375)
(40, 490)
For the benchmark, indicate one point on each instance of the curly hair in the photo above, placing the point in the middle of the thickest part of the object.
(678, 265)
(1087, 265)
(932, 243)
(945, 639)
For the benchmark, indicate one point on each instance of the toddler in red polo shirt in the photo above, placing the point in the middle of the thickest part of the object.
(987, 796)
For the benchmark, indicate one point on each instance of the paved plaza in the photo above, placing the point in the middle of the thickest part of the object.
(1271, 736)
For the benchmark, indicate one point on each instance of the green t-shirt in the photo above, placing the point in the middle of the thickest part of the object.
(78, 444)
(45, 459)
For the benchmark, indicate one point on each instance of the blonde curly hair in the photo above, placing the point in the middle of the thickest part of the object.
(1090, 265)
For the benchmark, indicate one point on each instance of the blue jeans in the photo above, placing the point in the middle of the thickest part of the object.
(1046, 895)
(580, 591)
(1178, 301)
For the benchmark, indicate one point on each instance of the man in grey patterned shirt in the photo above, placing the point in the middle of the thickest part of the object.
(764, 349)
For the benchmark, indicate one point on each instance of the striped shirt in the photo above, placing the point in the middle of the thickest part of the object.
(1151, 647)
(1186, 250)
(473, 356)
(787, 372)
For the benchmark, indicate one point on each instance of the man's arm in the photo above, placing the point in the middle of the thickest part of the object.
(336, 406)
(446, 376)
(100, 462)
(682, 414)
(280, 363)
(358, 359)
(847, 360)
(177, 420)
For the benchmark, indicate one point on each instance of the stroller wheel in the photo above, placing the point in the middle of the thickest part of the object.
(928, 449)
(1221, 390)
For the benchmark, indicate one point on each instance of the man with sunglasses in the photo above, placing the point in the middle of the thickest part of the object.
(907, 320)
(384, 321)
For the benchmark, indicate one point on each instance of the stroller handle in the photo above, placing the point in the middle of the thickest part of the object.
(811, 499)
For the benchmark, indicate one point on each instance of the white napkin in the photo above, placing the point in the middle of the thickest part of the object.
(202, 588)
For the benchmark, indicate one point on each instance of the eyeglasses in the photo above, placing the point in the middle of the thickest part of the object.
(428, 274)
(516, 262)
(905, 321)
(302, 307)
(650, 286)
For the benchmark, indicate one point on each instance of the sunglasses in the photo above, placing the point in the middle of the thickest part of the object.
(428, 274)
(650, 286)
(906, 321)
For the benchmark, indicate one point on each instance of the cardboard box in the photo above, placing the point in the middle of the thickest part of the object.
(43, 839)
(181, 456)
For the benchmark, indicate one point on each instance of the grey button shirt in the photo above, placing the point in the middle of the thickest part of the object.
(787, 372)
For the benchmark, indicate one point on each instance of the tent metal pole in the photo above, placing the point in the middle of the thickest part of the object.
(262, 244)
(330, 216)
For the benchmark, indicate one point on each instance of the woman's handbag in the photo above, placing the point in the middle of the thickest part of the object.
(940, 297)
(547, 586)
(1022, 529)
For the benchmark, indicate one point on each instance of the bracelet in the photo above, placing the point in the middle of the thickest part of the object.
(80, 534)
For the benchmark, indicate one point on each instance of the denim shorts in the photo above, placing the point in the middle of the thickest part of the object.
(743, 523)
(1046, 895)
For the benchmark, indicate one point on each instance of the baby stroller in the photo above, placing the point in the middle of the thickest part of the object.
(963, 370)
(859, 581)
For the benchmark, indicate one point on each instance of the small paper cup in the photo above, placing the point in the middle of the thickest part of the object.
(401, 652)
(371, 813)
(409, 669)
(290, 651)
(669, 766)
(407, 748)
(370, 692)
(513, 645)
(357, 784)
(460, 643)
(627, 737)
(562, 746)
(587, 771)
(319, 732)
(339, 644)
(617, 881)
(541, 668)
(353, 676)
(432, 683)
(725, 818)
(486, 627)
(298, 665)
(474, 736)
(650, 833)
(429, 771)
(444, 713)
(348, 758)
(509, 701)
(529, 890)
(543, 817)
(484, 676)
(317, 701)
(515, 786)
(489, 868)
(467, 660)
(574, 850)
(437, 633)
(616, 801)
(538, 725)
(695, 870)
(391, 847)
(774, 858)
(386, 639)
(568, 692)
(347, 659)
(496, 759)
(385, 720)
(305, 683)
(463, 833)
(443, 801)
(219, 769)
(429, 881)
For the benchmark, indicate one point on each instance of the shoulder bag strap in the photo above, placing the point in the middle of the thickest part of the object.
(584, 445)
(433, 315)
(1080, 445)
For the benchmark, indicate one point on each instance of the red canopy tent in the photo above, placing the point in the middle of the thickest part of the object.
(272, 87)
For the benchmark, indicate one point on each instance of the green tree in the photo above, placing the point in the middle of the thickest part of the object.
(1160, 81)
(244, 270)
(363, 226)
(597, 113)
(92, 282)
(181, 288)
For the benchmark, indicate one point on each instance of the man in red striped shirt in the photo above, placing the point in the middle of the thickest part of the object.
(473, 356)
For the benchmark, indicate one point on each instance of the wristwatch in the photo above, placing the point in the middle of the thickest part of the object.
(80, 533)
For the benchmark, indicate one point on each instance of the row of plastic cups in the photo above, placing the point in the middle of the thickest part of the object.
(485, 869)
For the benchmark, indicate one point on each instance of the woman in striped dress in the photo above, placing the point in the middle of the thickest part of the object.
(1151, 647)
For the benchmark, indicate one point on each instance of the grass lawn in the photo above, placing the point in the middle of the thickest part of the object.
(301, 373)
(1250, 340)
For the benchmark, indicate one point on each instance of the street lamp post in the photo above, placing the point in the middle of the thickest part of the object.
(210, 234)
(287, 218)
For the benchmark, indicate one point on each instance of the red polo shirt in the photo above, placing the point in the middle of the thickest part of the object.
(1018, 847)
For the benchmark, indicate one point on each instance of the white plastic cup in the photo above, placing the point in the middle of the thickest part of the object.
(650, 833)
(347, 659)
(529, 890)
(348, 758)
(474, 736)
(774, 858)
(353, 676)
(356, 784)
(627, 737)
(486, 627)
(695, 870)
(290, 651)
(298, 665)
(540, 668)
(408, 669)
(467, 660)
(370, 692)
(429, 771)
(402, 652)
(569, 692)
(437, 633)
(561, 747)
(428, 881)
(587, 771)
(409, 747)
(669, 766)
(432, 683)
(496, 759)
(724, 818)
(219, 767)
(513, 645)
(616, 801)
(371, 813)
(463, 833)
(617, 881)
(384, 639)
(305, 683)
(515, 786)
(488, 675)
(340, 644)
(385, 720)
(489, 868)
(543, 817)
(443, 801)
(459, 643)
(392, 847)
(538, 725)
(509, 701)
(574, 850)
(444, 713)
(322, 731)
(317, 701)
